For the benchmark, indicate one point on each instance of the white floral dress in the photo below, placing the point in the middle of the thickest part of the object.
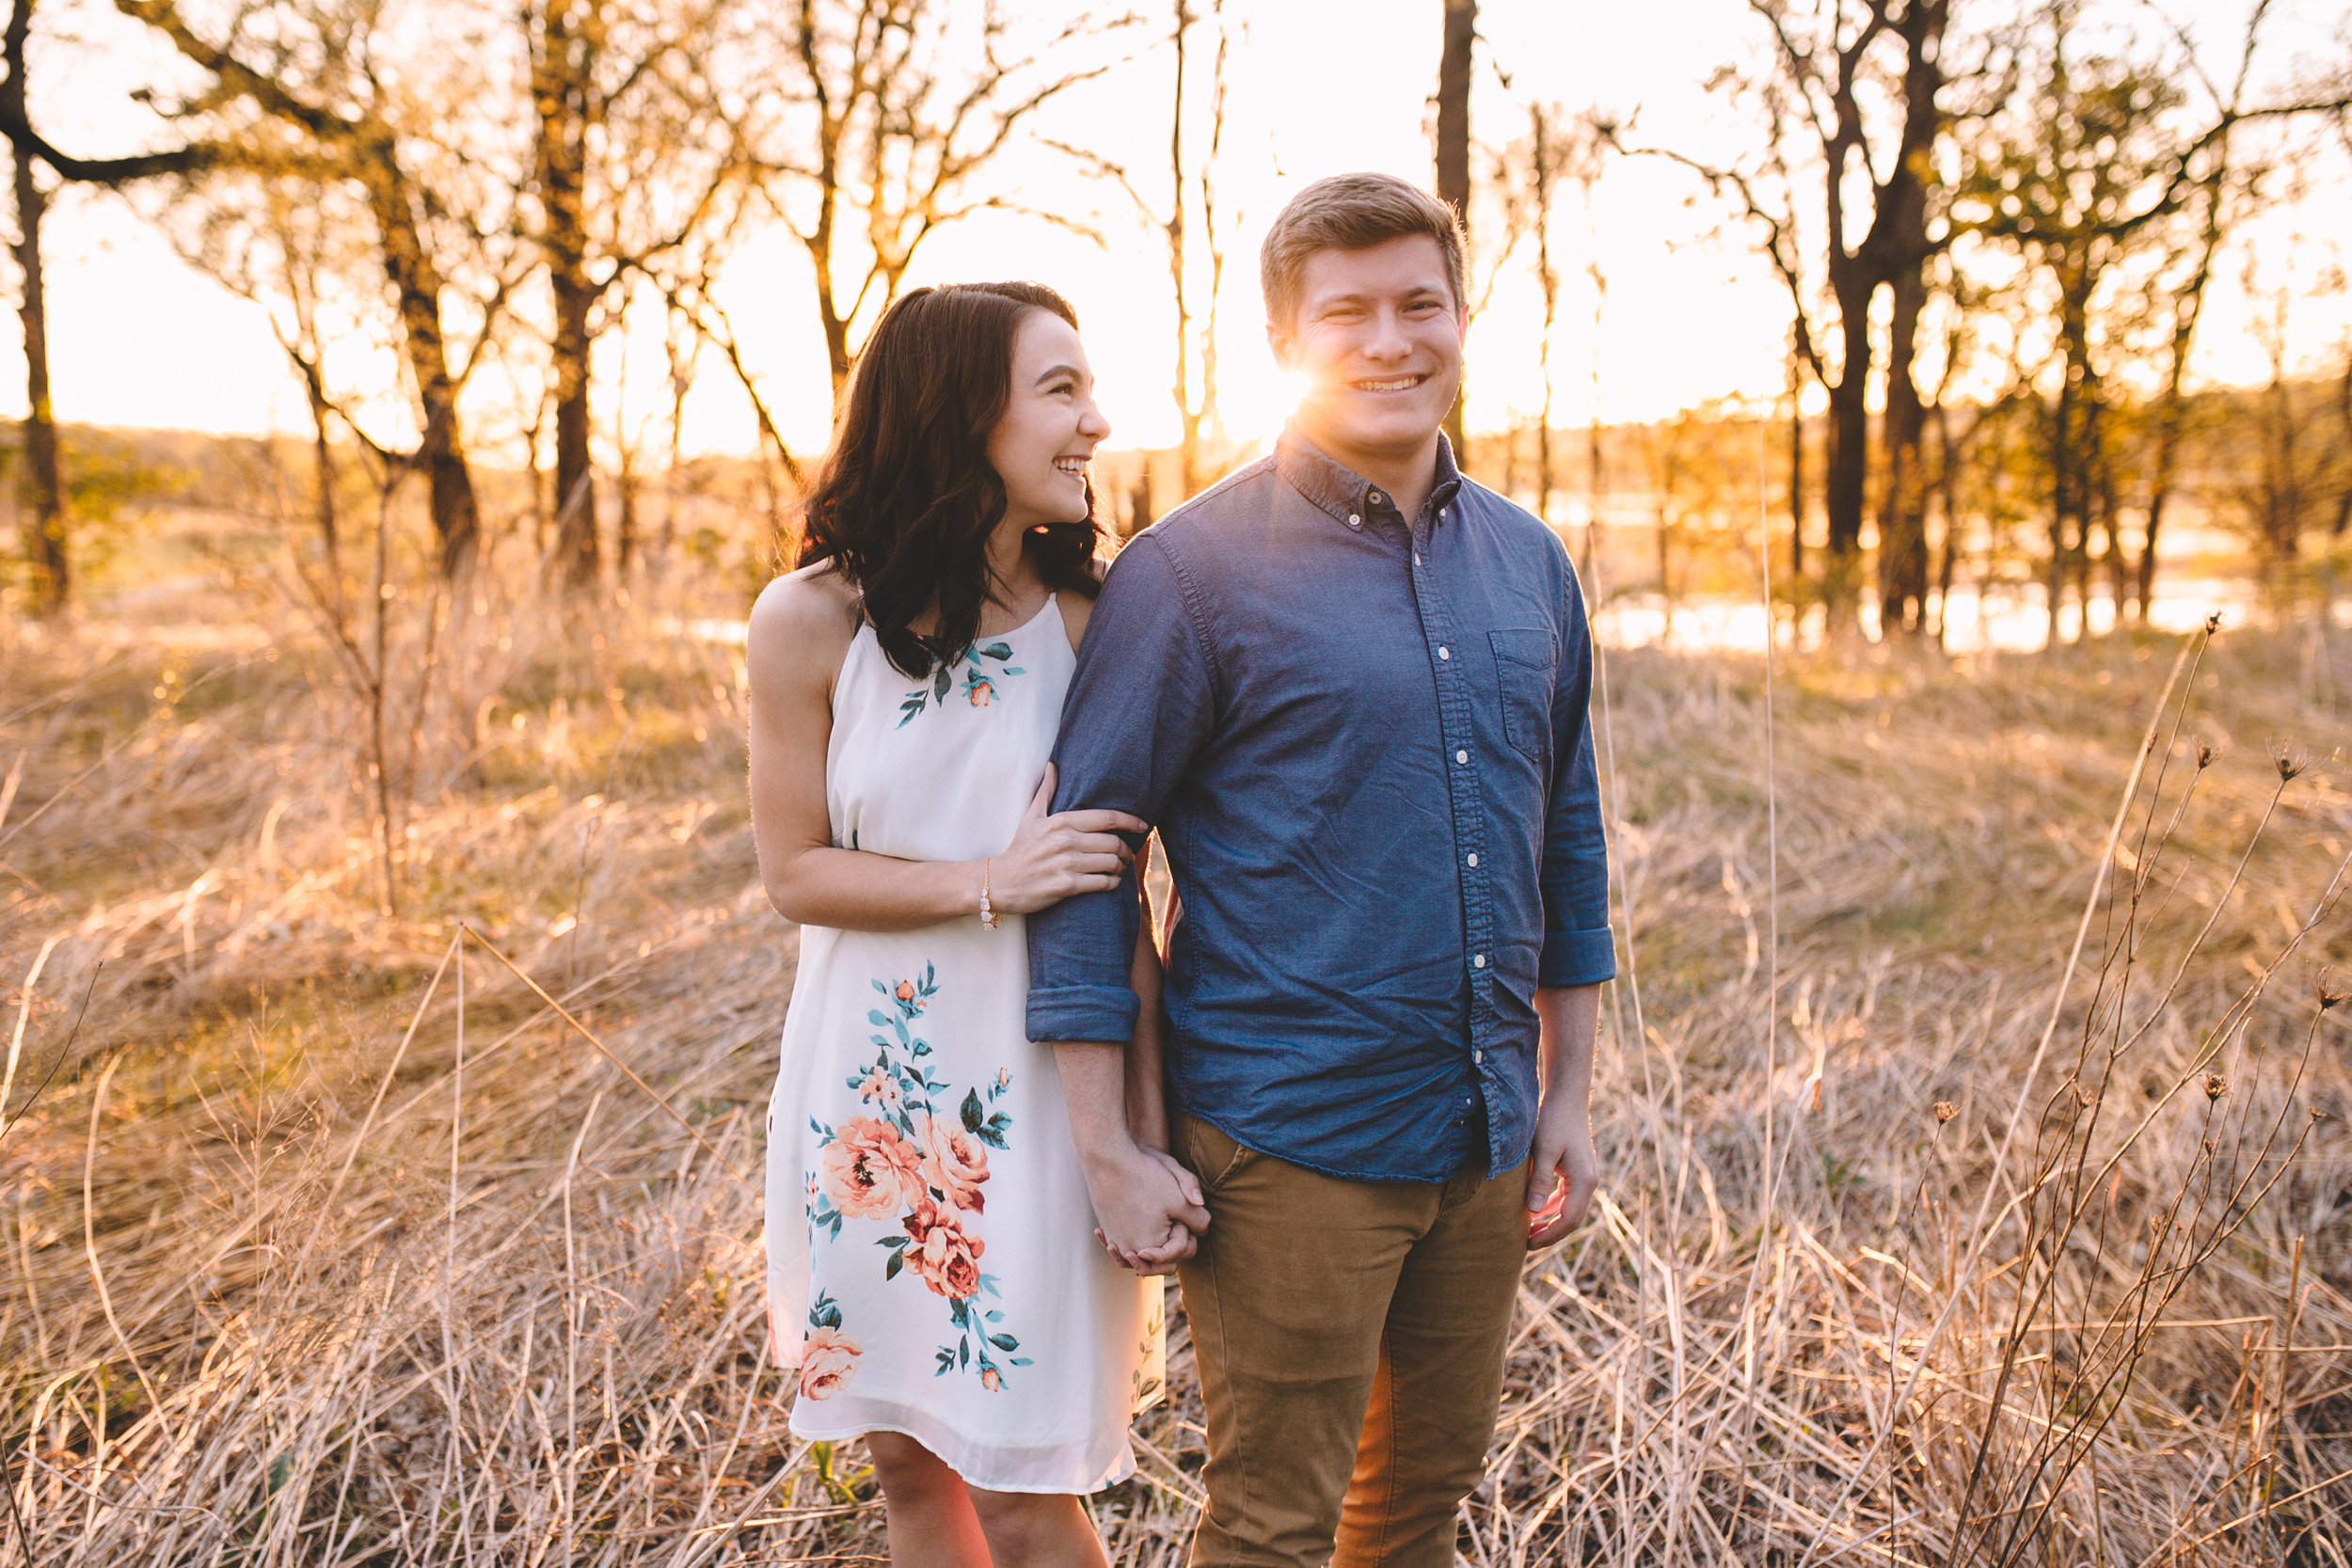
(931, 1263)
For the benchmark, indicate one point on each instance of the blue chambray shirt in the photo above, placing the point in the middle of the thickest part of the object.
(1366, 749)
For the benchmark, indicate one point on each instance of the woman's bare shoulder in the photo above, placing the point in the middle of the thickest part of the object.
(1078, 608)
(808, 616)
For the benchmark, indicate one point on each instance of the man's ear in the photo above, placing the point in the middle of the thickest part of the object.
(1278, 339)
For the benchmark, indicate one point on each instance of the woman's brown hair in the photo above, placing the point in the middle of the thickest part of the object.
(907, 499)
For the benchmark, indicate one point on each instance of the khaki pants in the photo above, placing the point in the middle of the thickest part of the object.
(1350, 1337)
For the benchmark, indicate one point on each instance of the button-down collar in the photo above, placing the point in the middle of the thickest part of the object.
(1347, 496)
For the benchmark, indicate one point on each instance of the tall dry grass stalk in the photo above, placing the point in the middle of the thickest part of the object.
(341, 1234)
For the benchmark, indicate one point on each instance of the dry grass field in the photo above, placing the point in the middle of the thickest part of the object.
(393, 1211)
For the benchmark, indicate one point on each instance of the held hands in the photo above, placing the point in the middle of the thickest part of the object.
(1566, 1172)
(1052, 857)
(1147, 1207)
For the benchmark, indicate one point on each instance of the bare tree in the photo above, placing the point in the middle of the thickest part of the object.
(879, 128)
(1856, 96)
(41, 483)
(1455, 68)
(632, 159)
(1559, 147)
(2218, 194)
(2097, 160)
(1193, 392)
(281, 239)
(2275, 465)
(307, 77)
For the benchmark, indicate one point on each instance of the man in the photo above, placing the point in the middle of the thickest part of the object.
(1348, 687)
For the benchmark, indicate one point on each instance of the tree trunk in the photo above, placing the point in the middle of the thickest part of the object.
(1187, 415)
(41, 488)
(1796, 463)
(2342, 518)
(417, 288)
(569, 33)
(1848, 455)
(1902, 499)
(1947, 462)
(2169, 418)
(1454, 141)
(2171, 409)
(2073, 430)
(323, 500)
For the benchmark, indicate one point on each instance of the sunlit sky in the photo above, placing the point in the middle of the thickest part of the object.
(139, 338)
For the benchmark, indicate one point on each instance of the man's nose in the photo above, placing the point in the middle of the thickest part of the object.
(1387, 340)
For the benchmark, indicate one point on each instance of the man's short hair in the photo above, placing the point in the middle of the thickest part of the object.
(1351, 211)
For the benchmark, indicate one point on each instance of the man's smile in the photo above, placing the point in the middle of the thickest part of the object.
(1389, 384)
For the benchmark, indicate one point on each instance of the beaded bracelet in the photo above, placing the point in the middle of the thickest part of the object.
(988, 915)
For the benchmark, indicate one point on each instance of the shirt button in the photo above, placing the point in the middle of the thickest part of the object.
(1473, 860)
(1417, 558)
(1354, 521)
(1445, 652)
(1478, 1055)
(1375, 498)
(1478, 960)
(1461, 756)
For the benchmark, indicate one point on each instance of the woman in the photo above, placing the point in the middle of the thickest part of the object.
(930, 1267)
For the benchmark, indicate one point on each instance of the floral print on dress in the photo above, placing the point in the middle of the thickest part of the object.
(829, 1356)
(914, 1162)
(979, 681)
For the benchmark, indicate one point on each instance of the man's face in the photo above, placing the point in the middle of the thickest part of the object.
(1377, 338)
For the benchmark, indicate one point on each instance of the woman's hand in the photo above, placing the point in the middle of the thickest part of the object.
(1054, 857)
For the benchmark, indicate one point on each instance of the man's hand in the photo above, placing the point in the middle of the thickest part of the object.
(1146, 1206)
(1565, 1171)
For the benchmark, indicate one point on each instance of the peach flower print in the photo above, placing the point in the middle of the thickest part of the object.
(981, 689)
(881, 1088)
(906, 994)
(954, 1163)
(827, 1361)
(868, 1170)
(991, 1380)
(946, 1257)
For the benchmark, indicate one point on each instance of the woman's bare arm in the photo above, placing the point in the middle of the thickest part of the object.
(800, 630)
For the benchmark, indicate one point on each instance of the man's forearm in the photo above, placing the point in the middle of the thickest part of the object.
(1094, 1093)
(1567, 1018)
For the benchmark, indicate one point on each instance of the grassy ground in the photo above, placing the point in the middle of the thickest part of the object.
(333, 1239)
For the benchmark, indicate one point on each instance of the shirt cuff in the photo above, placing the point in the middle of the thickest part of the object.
(1570, 959)
(1105, 1013)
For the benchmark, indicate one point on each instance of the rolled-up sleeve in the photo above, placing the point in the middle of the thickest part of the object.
(1577, 950)
(1140, 705)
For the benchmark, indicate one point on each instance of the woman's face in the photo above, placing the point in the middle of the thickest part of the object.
(1050, 427)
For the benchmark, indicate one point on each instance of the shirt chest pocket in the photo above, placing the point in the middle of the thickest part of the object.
(1524, 669)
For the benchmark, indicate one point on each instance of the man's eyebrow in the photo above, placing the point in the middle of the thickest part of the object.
(1412, 291)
